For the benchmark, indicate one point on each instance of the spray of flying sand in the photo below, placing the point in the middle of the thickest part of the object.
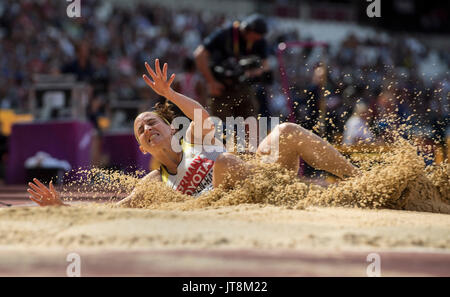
(396, 179)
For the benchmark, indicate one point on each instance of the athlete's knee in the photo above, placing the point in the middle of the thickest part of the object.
(289, 129)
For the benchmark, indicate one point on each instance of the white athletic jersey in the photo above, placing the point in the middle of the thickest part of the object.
(195, 171)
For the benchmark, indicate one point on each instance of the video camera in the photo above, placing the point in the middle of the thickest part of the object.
(231, 72)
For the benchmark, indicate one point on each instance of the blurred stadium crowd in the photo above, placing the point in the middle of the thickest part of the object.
(363, 80)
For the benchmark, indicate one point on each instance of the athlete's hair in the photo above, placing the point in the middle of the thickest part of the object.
(164, 111)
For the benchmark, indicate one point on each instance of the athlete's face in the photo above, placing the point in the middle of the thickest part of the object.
(151, 132)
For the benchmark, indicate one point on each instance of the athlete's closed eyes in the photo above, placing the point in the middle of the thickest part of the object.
(151, 122)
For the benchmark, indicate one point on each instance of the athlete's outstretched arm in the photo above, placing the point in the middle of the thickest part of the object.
(48, 196)
(148, 179)
(161, 85)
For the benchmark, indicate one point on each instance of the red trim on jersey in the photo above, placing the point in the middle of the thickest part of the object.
(194, 175)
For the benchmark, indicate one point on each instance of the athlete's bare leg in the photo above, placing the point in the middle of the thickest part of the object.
(296, 142)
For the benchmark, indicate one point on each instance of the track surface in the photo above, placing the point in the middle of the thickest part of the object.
(222, 263)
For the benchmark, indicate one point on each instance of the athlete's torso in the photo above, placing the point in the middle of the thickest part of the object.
(195, 171)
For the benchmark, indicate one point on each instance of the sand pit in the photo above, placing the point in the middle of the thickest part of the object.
(244, 226)
(396, 204)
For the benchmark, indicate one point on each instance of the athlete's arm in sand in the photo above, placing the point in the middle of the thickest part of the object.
(151, 177)
(187, 105)
(44, 196)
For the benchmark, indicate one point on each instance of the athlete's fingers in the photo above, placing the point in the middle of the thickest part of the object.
(41, 185)
(158, 68)
(150, 71)
(148, 81)
(52, 189)
(35, 200)
(36, 188)
(34, 194)
(172, 77)
(165, 71)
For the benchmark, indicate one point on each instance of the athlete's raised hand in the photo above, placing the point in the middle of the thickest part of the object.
(160, 84)
(44, 196)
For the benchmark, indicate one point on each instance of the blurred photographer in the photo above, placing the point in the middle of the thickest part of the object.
(233, 60)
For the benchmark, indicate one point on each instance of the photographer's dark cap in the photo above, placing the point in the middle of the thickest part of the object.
(255, 23)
